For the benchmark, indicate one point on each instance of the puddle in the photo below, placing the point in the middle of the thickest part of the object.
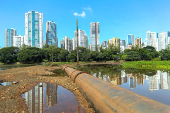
(51, 98)
(7, 83)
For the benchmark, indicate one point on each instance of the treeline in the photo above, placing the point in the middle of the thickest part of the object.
(27, 54)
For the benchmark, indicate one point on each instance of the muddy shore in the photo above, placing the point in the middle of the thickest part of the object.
(27, 77)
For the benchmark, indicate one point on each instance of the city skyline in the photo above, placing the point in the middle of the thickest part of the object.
(143, 20)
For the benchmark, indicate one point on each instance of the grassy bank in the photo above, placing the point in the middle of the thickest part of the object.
(154, 65)
(50, 64)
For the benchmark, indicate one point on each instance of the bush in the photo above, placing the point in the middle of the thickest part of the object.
(156, 59)
(124, 57)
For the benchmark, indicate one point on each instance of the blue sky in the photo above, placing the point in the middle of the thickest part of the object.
(117, 18)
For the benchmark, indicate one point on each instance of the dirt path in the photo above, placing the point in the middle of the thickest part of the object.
(28, 77)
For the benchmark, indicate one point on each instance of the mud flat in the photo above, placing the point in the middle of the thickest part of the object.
(27, 78)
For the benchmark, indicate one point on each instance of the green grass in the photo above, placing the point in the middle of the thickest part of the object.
(154, 65)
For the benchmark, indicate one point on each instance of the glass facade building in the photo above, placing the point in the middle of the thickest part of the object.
(94, 36)
(123, 43)
(51, 30)
(34, 29)
(9, 35)
(130, 39)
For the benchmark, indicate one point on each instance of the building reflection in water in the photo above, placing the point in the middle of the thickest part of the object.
(160, 80)
(51, 94)
(35, 97)
(38, 102)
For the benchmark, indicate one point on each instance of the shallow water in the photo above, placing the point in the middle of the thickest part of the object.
(51, 98)
(150, 83)
(4, 67)
(5, 83)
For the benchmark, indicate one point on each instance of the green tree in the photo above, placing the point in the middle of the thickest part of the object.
(133, 56)
(30, 55)
(9, 54)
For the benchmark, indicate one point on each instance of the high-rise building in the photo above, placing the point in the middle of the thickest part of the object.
(89, 47)
(110, 42)
(67, 44)
(51, 30)
(168, 37)
(114, 42)
(82, 39)
(34, 29)
(94, 36)
(9, 34)
(18, 41)
(162, 40)
(117, 42)
(86, 41)
(123, 43)
(62, 44)
(138, 42)
(130, 39)
(151, 38)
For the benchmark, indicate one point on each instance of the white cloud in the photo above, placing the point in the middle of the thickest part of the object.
(87, 8)
(82, 15)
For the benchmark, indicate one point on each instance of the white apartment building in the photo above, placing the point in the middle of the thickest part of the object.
(34, 29)
(162, 40)
(18, 41)
(151, 39)
(9, 34)
(82, 39)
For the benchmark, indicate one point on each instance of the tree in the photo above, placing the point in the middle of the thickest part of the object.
(9, 54)
(148, 53)
(133, 56)
(30, 55)
(72, 57)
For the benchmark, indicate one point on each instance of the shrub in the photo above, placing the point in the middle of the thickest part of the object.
(156, 59)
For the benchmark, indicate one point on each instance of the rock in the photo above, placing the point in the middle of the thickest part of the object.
(15, 82)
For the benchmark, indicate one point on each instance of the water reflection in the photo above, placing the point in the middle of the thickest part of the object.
(161, 79)
(4, 67)
(51, 98)
(5, 83)
(149, 83)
